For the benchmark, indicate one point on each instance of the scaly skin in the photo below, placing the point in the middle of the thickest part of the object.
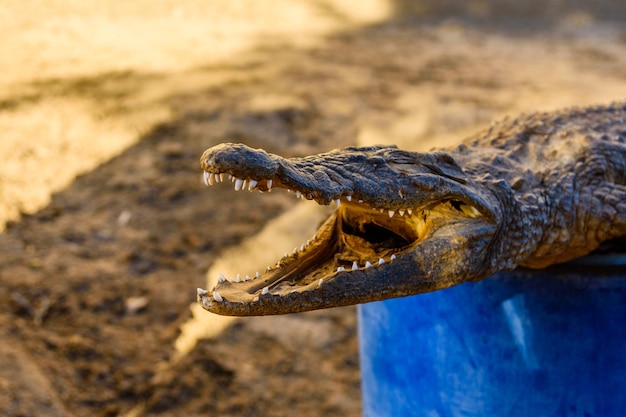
(535, 191)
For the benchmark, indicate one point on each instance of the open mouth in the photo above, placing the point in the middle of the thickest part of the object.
(357, 237)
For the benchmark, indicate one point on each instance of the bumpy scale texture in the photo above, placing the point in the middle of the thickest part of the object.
(533, 191)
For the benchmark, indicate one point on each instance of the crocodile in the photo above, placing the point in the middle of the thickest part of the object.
(533, 191)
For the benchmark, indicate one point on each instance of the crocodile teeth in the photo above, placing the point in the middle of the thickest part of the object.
(265, 290)
(393, 257)
(320, 282)
(217, 297)
(221, 278)
(208, 178)
(298, 194)
(349, 197)
(269, 185)
(255, 299)
(257, 275)
(368, 264)
(252, 185)
(202, 292)
(381, 261)
(401, 212)
(355, 266)
(340, 269)
(338, 201)
(238, 278)
(221, 177)
(391, 213)
(410, 211)
(238, 184)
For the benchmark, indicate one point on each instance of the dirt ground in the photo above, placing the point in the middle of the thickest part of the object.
(108, 230)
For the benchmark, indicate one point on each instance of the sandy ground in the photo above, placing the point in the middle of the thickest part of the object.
(105, 109)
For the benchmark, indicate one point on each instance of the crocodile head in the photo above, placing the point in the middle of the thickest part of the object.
(405, 223)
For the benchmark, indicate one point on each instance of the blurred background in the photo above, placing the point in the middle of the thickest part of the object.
(105, 109)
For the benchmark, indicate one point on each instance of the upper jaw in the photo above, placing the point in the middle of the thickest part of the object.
(382, 177)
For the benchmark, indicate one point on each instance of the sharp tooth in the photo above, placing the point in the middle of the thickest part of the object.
(232, 178)
(298, 194)
(265, 290)
(244, 185)
(391, 213)
(255, 299)
(257, 275)
(205, 178)
(217, 297)
(393, 257)
(410, 211)
(288, 190)
(381, 210)
(340, 269)
(238, 278)
(252, 185)
(285, 255)
(471, 211)
(247, 277)
(360, 201)
(221, 177)
(355, 266)
(202, 292)
(320, 282)
(381, 261)
(221, 278)
(238, 184)
(295, 250)
(338, 201)
(268, 269)
(301, 248)
(368, 264)
(401, 212)
(269, 185)
(349, 197)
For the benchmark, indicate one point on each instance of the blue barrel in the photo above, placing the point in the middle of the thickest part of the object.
(518, 344)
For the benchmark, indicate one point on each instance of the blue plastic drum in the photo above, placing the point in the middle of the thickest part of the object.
(517, 344)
